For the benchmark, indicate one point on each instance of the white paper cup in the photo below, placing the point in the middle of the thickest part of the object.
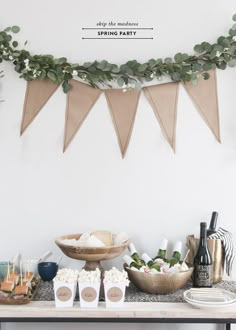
(114, 294)
(89, 294)
(64, 293)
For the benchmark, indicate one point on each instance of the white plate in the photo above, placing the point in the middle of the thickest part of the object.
(209, 306)
(230, 299)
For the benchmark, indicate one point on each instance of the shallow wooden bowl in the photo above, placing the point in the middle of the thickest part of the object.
(92, 255)
(159, 283)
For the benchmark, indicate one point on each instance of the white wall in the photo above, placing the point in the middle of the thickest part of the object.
(152, 192)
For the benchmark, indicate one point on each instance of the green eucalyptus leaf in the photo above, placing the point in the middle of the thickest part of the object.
(152, 62)
(227, 57)
(176, 76)
(168, 60)
(159, 61)
(91, 69)
(206, 67)
(221, 65)
(66, 86)
(234, 17)
(178, 58)
(61, 60)
(52, 76)
(138, 86)
(232, 32)
(120, 81)
(101, 65)
(196, 67)
(15, 29)
(232, 63)
(212, 54)
(115, 69)
(187, 77)
(14, 43)
(198, 49)
(206, 75)
(42, 75)
(142, 67)
(218, 48)
(205, 46)
(87, 64)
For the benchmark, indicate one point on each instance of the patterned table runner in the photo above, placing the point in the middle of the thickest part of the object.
(45, 293)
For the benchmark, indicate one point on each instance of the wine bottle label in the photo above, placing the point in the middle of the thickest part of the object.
(203, 275)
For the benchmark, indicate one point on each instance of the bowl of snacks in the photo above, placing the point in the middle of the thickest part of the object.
(93, 247)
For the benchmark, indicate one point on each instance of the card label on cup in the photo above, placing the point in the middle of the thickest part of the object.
(63, 293)
(114, 294)
(89, 294)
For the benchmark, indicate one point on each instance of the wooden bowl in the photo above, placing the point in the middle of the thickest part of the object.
(158, 283)
(92, 255)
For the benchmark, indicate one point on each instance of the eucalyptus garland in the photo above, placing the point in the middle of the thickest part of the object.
(132, 74)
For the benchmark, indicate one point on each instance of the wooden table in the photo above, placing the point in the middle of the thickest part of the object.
(148, 312)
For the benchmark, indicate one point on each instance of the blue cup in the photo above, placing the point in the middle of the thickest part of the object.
(4, 268)
(47, 270)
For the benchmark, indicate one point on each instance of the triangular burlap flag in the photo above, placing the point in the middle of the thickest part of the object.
(123, 108)
(80, 100)
(163, 99)
(204, 96)
(38, 92)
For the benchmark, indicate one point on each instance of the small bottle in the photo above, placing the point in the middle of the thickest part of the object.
(134, 255)
(212, 228)
(130, 262)
(161, 254)
(149, 262)
(176, 256)
(203, 270)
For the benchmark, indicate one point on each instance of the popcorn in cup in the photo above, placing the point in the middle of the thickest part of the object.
(65, 285)
(89, 287)
(115, 283)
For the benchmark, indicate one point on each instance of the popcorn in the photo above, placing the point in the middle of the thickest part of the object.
(115, 276)
(66, 275)
(89, 277)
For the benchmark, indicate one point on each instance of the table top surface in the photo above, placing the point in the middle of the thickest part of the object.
(129, 310)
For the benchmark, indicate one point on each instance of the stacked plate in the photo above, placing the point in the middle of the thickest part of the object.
(210, 297)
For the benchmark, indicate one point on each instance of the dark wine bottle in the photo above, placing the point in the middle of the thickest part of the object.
(212, 228)
(202, 274)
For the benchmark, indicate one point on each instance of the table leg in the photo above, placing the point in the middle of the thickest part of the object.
(228, 326)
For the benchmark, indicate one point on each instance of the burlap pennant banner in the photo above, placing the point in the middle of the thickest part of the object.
(80, 100)
(204, 96)
(163, 99)
(123, 108)
(38, 92)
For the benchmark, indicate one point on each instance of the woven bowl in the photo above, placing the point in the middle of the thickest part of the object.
(92, 255)
(158, 283)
